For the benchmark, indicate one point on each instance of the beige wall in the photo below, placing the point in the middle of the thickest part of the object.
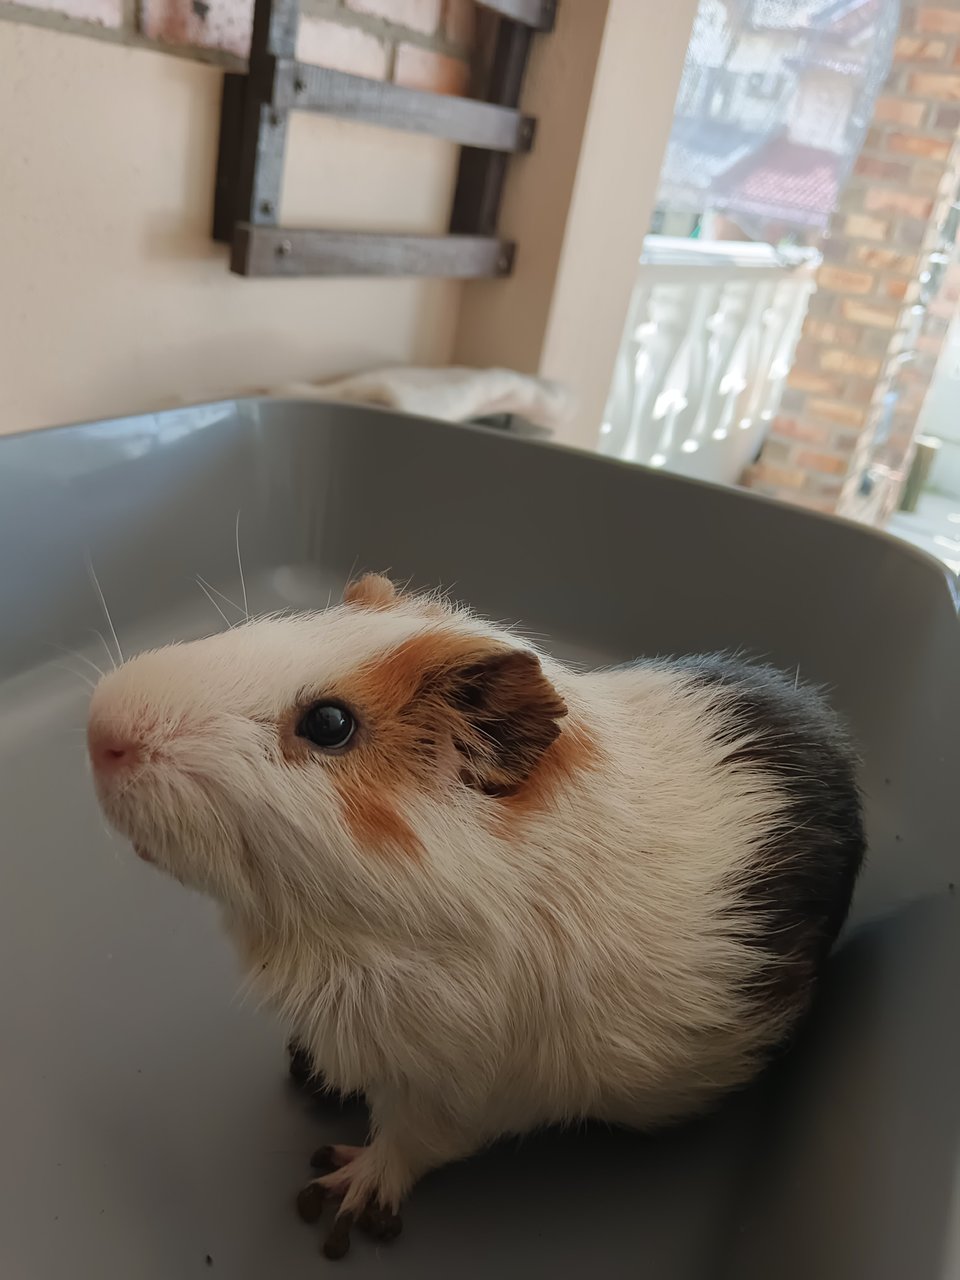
(604, 86)
(503, 321)
(114, 298)
(626, 133)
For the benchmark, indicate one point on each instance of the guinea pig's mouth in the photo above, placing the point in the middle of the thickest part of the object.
(142, 842)
(170, 823)
(125, 806)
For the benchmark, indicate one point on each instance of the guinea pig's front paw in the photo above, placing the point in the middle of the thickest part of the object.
(354, 1177)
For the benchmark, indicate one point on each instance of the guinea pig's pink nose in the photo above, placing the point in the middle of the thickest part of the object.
(112, 751)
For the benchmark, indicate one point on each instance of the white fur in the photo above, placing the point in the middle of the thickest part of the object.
(585, 960)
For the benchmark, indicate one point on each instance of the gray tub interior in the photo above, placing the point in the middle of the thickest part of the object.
(146, 1120)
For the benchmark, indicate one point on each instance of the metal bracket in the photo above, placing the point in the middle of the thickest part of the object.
(253, 133)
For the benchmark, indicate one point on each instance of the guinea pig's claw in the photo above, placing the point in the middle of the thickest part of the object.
(337, 1243)
(380, 1224)
(310, 1202)
(377, 1223)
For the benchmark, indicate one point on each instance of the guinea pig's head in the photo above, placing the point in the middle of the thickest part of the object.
(314, 756)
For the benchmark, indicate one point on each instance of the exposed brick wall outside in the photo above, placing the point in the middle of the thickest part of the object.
(883, 452)
(425, 69)
(880, 313)
(425, 44)
(108, 14)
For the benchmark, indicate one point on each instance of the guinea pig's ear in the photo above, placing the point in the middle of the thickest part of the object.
(372, 591)
(505, 713)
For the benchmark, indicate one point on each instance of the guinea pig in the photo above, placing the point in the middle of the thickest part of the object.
(488, 891)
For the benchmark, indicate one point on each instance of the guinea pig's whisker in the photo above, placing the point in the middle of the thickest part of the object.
(74, 653)
(131, 782)
(218, 821)
(209, 596)
(106, 648)
(62, 666)
(243, 585)
(112, 837)
(225, 598)
(106, 611)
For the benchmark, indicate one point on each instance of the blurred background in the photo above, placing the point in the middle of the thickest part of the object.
(735, 231)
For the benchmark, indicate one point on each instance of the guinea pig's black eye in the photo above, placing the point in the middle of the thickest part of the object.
(327, 725)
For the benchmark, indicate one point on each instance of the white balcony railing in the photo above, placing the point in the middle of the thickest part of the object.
(709, 340)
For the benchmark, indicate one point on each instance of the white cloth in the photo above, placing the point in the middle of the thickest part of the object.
(455, 394)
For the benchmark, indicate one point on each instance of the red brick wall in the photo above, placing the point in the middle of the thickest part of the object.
(422, 43)
(863, 327)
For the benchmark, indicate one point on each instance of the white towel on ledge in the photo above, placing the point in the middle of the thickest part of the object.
(455, 394)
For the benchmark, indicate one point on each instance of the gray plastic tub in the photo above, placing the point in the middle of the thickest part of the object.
(147, 1126)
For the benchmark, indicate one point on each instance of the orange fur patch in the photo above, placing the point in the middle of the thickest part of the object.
(573, 752)
(441, 706)
(393, 753)
(471, 699)
(375, 822)
(392, 680)
(372, 591)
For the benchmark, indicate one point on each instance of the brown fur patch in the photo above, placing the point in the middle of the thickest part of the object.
(376, 592)
(372, 591)
(470, 699)
(375, 822)
(394, 750)
(443, 705)
(392, 680)
(574, 751)
(367, 805)
(509, 713)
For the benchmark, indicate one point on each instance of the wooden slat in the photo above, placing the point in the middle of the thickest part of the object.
(297, 85)
(250, 169)
(481, 176)
(263, 144)
(275, 25)
(295, 251)
(263, 134)
(538, 14)
(228, 156)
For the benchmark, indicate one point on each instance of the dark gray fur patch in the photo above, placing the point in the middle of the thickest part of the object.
(808, 867)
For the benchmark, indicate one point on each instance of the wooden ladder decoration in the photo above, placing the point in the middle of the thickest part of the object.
(253, 131)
